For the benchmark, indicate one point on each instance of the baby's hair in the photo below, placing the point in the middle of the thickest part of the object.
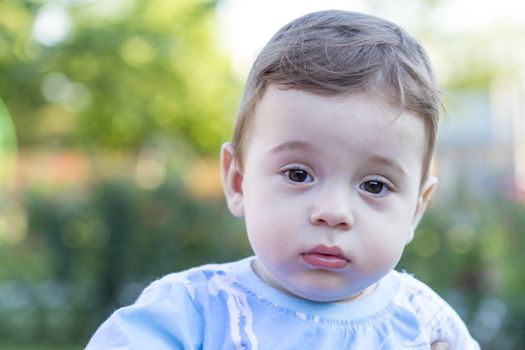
(340, 53)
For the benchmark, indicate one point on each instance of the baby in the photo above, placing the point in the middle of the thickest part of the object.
(329, 167)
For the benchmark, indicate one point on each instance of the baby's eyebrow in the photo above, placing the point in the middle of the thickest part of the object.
(293, 145)
(382, 160)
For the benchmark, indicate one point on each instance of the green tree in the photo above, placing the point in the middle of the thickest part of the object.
(7, 148)
(124, 73)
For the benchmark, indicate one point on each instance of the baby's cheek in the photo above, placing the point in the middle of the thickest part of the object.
(386, 249)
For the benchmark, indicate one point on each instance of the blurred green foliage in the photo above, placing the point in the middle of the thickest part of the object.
(124, 74)
(127, 76)
(8, 150)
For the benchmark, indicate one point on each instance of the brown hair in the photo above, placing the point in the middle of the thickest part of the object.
(336, 53)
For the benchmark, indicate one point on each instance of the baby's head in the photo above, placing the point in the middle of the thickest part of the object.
(340, 53)
(330, 157)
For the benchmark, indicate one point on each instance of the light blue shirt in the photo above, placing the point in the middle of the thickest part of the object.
(228, 307)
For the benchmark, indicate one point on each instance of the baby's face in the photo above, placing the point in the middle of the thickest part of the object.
(331, 190)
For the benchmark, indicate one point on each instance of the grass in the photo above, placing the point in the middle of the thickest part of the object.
(40, 347)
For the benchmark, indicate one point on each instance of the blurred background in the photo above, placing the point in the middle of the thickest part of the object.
(111, 118)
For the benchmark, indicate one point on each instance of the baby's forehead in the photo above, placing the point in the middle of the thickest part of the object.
(292, 113)
(286, 101)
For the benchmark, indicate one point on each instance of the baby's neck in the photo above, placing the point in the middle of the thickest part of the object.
(263, 276)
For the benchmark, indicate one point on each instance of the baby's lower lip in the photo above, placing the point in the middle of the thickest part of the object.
(325, 261)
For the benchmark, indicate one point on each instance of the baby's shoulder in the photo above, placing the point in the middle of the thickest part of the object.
(194, 282)
(431, 309)
(418, 294)
(410, 284)
(440, 320)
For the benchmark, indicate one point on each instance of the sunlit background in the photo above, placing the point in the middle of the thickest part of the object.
(111, 118)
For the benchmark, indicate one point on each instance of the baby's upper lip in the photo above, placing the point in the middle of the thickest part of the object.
(326, 250)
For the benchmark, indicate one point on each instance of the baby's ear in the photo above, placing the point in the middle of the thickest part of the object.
(231, 178)
(425, 195)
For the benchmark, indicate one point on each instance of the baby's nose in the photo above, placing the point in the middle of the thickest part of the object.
(333, 209)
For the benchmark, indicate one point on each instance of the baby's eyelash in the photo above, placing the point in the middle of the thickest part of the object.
(297, 174)
(377, 186)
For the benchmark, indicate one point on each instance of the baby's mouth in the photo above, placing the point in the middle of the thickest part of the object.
(326, 257)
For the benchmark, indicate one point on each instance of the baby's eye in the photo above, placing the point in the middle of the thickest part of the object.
(298, 175)
(375, 187)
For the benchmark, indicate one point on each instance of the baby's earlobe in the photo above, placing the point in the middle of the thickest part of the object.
(410, 236)
(427, 190)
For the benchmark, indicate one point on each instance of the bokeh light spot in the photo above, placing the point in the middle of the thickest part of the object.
(460, 238)
(56, 87)
(52, 25)
(151, 169)
(137, 52)
(13, 224)
(426, 243)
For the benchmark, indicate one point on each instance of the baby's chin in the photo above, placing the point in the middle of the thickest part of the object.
(330, 296)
